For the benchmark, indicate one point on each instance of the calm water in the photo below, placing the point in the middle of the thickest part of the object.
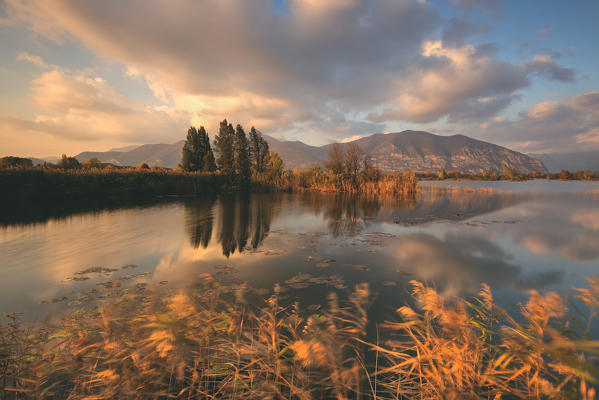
(517, 237)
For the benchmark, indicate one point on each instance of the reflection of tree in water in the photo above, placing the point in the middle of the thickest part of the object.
(199, 220)
(348, 215)
(243, 216)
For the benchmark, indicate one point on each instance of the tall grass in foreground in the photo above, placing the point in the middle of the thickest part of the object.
(210, 343)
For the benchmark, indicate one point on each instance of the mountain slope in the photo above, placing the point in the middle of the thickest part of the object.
(423, 151)
(418, 151)
(166, 155)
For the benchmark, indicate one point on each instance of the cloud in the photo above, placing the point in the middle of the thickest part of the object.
(543, 65)
(321, 70)
(552, 126)
(33, 59)
(82, 108)
(457, 82)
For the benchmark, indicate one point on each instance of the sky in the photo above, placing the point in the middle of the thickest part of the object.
(79, 75)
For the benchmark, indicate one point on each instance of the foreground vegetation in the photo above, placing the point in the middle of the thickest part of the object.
(213, 343)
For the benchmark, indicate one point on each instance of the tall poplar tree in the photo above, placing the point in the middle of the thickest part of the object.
(242, 164)
(208, 162)
(258, 150)
(223, 143)
(191, 158)
(197, 152)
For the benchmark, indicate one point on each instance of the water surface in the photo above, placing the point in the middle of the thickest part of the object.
(455, 235)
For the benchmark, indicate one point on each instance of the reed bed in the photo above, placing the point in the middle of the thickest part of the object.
(44, 183)
(212, 343)
(401, 184)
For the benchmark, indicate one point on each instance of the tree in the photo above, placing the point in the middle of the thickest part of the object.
(208, 162)
(193, 153)
(369, 171)
(92, 163)
(10, 161)
(224, 147)
(335, 163)
(258, 150)
(68, 162)
(352, 159)
(241, 163)
(441, 175)
(564, 174)
(143, 166)
(274, 165)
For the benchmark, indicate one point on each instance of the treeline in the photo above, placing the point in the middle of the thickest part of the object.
(508, 174)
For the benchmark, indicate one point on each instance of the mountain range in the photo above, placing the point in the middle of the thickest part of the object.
(415, 150)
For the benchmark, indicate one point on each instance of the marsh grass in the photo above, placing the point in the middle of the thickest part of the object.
(45, 183)
(401, 184)
(212, 343)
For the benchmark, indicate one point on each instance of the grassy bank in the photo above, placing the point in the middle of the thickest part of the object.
(43, 183)
(211, 343)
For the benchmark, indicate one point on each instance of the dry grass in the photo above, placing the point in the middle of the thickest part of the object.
(210, 343)
(401, 184)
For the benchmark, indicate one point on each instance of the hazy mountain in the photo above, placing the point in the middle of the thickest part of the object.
(419, 151)
(166, 155)
(581, 161)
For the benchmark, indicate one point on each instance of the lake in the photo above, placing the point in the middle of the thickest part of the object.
(514, 236)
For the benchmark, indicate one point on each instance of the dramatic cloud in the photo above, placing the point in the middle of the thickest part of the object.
(79, 107)
(570, 125)
(455, 81)
(316, 70)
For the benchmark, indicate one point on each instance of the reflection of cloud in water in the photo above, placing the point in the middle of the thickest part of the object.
(458, 265)
(567, 226)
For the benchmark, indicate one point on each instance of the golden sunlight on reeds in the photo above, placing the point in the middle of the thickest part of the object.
(212, 343)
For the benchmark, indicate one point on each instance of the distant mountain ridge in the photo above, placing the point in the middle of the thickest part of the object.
(416, 150)
(165, 155)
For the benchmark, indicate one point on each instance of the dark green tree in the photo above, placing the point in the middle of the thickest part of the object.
(208, 162)
(197, 152)
(223, 143)
(258, 150)
(192, 157)
(241, 165)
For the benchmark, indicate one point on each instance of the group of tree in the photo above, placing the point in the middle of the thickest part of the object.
(197, 152)
(350, 160)
(236, 154)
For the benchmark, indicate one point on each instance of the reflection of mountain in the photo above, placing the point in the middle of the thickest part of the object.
(454, 206)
